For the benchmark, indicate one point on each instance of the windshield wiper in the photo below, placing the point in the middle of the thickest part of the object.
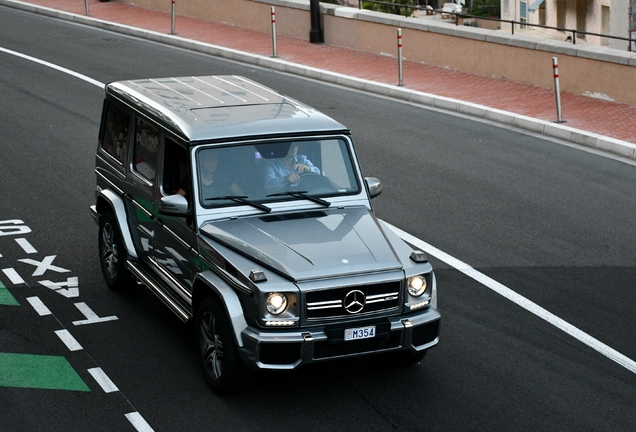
(240, 199)
(302, 194)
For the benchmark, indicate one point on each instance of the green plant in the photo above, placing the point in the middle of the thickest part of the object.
(488, 8)
(394, 8)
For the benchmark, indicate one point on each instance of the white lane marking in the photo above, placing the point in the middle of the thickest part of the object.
(39, 307)
(13, 276)
(138, 422)
(71, 343)
(518, 299)
(91, 317)
(44, 265)
(102, 379)
(26, 246)
(54, 66)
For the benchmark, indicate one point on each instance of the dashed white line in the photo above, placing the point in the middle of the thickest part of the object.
(138, 422)
(39, 307)
(71, 343)
(26, 246)
(13, 276)
(102, 379)
(518, 299)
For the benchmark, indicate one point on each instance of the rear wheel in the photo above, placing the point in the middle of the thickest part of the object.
(223, 369)
(112, 254)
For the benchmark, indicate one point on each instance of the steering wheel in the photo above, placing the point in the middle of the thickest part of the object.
(314, 183)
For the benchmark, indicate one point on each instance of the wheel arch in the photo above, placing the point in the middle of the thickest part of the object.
(209, 284)
(109, 201)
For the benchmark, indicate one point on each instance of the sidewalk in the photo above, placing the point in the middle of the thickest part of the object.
(593, 122)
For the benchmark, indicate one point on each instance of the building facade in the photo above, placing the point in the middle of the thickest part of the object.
(606, 17)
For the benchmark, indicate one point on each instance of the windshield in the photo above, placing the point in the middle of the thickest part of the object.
(274, 171)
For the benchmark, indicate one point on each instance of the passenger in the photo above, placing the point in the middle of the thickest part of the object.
(215, 182)
(286, 171)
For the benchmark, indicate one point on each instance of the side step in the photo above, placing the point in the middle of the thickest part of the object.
(156, 287)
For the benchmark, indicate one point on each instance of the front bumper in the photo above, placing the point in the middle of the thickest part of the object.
(290, 349)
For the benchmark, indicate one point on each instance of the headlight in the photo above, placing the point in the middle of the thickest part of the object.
(276, 303)
(417, 285)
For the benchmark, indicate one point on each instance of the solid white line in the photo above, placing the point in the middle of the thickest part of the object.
(138, 422)
(54, 66)
(71, 343)
(39, 307)
(518, 299)
(102, 379)
(13, 276)
(26, 246)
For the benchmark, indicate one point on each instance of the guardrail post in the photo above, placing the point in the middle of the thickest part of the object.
(273, 14)
(557, 90)
(172, 10)
(399, 44)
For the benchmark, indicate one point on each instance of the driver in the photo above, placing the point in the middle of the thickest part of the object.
(286, 171)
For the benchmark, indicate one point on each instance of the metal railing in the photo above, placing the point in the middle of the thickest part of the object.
(458, 15)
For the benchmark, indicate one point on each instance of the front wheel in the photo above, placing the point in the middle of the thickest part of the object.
(112, 254)
(223, 369)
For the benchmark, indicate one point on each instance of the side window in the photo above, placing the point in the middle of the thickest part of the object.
(116, 132)
(146, 150)
(176, 177)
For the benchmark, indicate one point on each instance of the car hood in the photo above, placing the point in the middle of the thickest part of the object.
(310, 244)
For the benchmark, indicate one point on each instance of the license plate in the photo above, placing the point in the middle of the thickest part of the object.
(359, 333)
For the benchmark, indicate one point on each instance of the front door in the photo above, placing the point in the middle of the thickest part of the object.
(174, 253)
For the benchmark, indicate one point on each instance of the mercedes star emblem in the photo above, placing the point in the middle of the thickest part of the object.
(354, 301)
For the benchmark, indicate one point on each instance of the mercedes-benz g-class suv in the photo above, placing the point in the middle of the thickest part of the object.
(246, 213)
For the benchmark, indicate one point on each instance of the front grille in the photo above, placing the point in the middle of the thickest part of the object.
(360, 300)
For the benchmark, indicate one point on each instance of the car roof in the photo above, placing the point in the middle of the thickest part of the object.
(203, 108)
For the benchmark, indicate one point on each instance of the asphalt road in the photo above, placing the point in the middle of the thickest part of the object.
(551, 222)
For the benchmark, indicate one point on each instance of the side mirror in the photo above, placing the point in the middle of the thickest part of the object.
(175, 205)
(374, 186)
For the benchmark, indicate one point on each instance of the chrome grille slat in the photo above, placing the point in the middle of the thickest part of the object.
(329, 303)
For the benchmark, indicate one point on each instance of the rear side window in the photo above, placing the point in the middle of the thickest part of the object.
(146, 150)
(116, 135)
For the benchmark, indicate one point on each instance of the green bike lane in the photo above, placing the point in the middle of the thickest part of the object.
(26, 370)
(44, 383)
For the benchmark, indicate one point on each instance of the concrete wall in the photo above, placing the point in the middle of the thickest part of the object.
(474, 50)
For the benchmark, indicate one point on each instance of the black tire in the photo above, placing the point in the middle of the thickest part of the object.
(222, 366)
(112, 254)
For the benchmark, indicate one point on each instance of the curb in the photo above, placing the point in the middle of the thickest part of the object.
(576, 136)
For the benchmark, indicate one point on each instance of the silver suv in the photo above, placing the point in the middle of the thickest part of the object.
(246, 213)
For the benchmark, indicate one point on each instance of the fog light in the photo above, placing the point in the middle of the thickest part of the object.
(417, 285)
(276, 303)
